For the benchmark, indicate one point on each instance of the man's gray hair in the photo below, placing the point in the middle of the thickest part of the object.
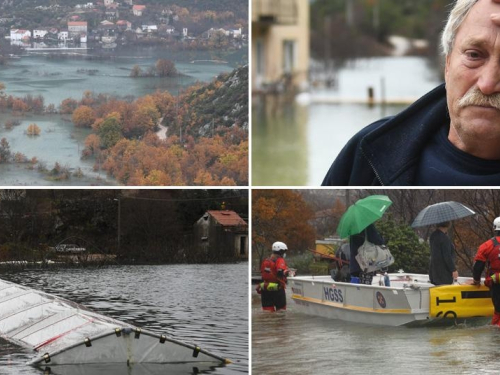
(455, 19)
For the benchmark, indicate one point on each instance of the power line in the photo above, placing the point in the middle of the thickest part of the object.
(185, 199)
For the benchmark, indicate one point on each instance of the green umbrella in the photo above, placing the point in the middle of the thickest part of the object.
(364, 212)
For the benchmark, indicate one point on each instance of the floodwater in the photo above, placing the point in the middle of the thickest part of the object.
(58, 79)
(202, 304)
(295, 343)
(303, 138)
(59, 142)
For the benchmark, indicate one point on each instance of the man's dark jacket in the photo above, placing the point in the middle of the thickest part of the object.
(387, 152)
(442, 258)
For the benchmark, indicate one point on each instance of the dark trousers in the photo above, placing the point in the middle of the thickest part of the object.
(273, 301)
(495, 296)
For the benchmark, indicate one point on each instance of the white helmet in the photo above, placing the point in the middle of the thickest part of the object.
(496, 224)
(279, 246)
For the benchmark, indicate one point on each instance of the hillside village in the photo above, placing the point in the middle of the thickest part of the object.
(110, 23)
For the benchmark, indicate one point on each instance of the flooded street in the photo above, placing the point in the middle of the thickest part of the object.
(295, 343)
(202, 304)
(304, 137)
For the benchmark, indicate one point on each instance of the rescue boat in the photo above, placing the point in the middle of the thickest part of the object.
(62, 332)
(408, 299)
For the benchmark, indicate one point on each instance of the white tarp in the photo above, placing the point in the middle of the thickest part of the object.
(62, 332)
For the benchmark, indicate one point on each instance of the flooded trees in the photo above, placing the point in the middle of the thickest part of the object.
(166, 68)
(83, 117)
(4, 151)
(33, 130)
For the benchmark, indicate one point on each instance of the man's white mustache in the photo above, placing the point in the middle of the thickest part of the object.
(475, 97)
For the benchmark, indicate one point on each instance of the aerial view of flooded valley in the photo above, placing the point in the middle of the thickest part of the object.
(121, 93)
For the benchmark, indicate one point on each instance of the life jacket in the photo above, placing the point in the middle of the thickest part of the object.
(268, 270)
(493, 262)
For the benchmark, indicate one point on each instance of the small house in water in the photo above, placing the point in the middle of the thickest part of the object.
(222, 233)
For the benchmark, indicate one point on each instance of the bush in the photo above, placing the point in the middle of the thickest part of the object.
(409, 254)
(301, 263)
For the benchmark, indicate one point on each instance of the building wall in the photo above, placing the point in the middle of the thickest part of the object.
(219, 241)
(239, 240)
(39, 33)
(19, 35)
(272, 40)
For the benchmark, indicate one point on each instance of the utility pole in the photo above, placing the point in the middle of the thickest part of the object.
(119, 221)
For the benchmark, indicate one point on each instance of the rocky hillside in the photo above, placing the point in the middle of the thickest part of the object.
(219, 105)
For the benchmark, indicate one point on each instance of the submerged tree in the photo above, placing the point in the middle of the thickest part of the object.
(4, 151)
(33, 130)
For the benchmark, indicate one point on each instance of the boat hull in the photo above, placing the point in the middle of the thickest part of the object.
(406, 302)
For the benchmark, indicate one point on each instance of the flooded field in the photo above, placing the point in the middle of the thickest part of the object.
(57, 79)
(202, 304)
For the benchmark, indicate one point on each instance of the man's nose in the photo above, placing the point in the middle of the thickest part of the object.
(489, 79)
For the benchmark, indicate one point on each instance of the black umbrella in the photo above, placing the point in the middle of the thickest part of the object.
(440, 213)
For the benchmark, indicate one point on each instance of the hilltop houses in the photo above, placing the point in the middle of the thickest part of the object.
(119, 21)
(39, 33)
(137, 10)
(20, 35)
(63, 35)
(78, 29)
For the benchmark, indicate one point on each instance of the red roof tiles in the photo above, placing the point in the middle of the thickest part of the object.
(227, 218)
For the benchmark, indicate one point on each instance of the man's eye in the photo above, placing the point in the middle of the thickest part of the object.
(473, 55)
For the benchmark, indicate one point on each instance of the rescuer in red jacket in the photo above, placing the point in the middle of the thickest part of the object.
(274, 272)
(488, 256)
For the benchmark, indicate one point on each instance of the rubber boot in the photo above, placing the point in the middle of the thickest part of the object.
(496, 319)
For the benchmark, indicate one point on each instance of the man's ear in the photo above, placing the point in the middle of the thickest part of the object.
(495, 17)
(447, 62)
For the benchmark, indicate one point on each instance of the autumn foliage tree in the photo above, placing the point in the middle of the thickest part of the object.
(83, 117)
(280, 215)
(127, 147)
(68, 106)
(33, 130)
(165, 68)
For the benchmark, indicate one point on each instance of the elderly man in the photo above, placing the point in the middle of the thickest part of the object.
(451, 136)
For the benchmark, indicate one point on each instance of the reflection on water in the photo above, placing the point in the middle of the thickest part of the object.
(279, 144)
(280, 158)
(202, 304)
(295, 343)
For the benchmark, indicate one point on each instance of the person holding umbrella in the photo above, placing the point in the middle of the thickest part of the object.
(488, 255)
(369, 234)
(442, 268)
(357, 224)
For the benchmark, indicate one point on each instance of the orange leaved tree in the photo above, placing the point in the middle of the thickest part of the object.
(280, 215)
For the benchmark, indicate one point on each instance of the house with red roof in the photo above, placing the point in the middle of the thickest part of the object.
(138, 10)
(222, 233)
